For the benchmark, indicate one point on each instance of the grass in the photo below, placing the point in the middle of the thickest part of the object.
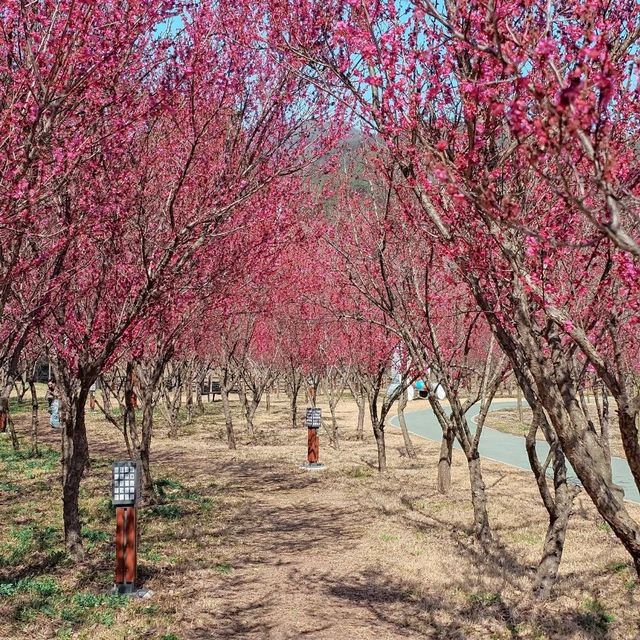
(484, 599)
(594, 616)
(32, 540)
(388, 537)
(360, 472)
(223, 568)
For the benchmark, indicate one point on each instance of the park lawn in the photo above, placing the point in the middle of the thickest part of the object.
(248, 545)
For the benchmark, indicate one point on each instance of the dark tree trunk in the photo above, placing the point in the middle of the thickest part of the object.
(15, 443)
(378, 432)
(294, 408)
(21, 386)
(189, 402)
(4, 413)
(75, 456)
(143, 447)
(334, 426)
(444, 461)
(34, 419)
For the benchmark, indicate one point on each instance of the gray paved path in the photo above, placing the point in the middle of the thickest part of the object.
(507, 448)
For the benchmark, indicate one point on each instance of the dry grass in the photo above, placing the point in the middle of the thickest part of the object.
(248, 545)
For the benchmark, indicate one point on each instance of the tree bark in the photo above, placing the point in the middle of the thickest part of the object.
(75, 455)
(547, 571)
(361, 402)
(378, 432)
(189, 390)
(228, 418)
(34, 419)
(445, 460)
(479, 501)
(408, 445)
(143, 447)
(293, 410)
(334, 425)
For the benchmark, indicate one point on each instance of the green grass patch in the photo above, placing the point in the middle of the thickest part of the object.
(484, 599)
(594, 616)
(44, 586)
(617, 567)
(359, 472)
(223, 568)
(166, 511)
(8, 486)
(30, 539)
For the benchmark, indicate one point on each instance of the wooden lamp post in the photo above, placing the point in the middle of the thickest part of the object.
(125, 495)
(313, 420)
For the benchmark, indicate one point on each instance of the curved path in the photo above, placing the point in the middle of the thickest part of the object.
(507, 448)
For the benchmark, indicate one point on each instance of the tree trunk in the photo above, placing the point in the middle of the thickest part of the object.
(228, 418)
(408, 445)
(106, 396)
(556, 388)
(4, 413)
(479, 501)
(378, 432)
(251, 408)
(21, 387)
(294, 408)
(189, 403)
(199, 404)
(334, 426)
(173, 411)
(143, 447)
(361, 402)
(604, 423)
(445, 460)
(75, 455)
(549, 565)
(34, 419)
(15, 443)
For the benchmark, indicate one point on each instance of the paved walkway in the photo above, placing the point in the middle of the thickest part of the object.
(510, 449)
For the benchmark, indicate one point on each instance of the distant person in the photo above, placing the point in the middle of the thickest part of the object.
(51, 390)
(92, 397)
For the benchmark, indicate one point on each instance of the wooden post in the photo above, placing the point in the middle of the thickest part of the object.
(313, 446)
(131, 559)
(126, 549)
(120, 544)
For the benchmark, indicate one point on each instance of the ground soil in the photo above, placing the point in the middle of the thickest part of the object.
(249, 545)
